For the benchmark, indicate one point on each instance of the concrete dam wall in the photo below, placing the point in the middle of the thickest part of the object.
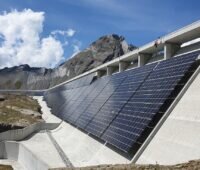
(178, 137)
(121, 110)
(119, 113)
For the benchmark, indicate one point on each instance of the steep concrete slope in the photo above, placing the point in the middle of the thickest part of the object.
(103, 50)
(178, 139)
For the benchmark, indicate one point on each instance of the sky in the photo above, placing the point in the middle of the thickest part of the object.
(44, 33)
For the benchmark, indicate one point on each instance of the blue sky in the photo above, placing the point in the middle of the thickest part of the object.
(139, 21)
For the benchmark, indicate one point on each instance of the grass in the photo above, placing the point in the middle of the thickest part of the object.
(23, 102)
(10, 110)
(10, 116)
(6, 167)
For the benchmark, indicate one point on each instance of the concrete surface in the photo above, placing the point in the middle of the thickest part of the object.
(19, 134)
(11, 150)
(51, 122)
(47, 116)
(2, 150)
(82, 150)
(29, 160)
(17, 152)
(38, 152)
(14, 164)
(42, 148)
(178, 139)
(170, 50)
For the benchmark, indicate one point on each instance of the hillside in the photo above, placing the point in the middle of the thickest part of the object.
(101, 51)
(18, 111)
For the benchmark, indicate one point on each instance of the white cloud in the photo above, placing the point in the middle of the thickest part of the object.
(69, 33)
(21, 42)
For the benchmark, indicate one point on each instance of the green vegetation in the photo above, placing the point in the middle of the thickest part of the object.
(10, 116)
(18, 110)
(18, 84)
(22, 102)
(6, 167)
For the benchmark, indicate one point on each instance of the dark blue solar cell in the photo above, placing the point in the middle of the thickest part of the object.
(100, 100)
(121, 108)
(147, 103)
(117, 100)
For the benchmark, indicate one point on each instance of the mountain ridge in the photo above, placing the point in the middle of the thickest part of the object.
(99, 52)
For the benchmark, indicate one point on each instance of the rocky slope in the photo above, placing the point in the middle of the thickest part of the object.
(18, 111)
(103, 50)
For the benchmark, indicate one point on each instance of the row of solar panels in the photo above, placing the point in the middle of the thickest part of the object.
(122, 109)
(83, 81)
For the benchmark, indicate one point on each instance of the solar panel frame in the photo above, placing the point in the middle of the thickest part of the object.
(95, 90)
(146, 104)
(127, 114)
(99, 101)
(112, 107)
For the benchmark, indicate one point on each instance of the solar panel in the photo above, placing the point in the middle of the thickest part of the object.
(123, 108)
(62, 96)
(83, 81)
(147, 105)
(95, 106)
(93, 91)
(118, 99)
(74, 97)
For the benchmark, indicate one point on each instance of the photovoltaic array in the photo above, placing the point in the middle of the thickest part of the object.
(122, 109)
(148, 103)
(111, 108)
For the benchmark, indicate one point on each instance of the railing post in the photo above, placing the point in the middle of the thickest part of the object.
(170, 49)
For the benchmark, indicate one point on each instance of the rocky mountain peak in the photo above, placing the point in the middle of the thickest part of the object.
(100, 51)
(24, 67)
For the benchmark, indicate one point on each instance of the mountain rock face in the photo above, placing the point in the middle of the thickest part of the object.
(101, 51)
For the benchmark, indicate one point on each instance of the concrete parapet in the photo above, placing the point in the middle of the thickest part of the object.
(170, 49)
(177, 133)
(123, 65)
(24, 92)
(19, 134)
(110, 70)
(49, 126)
(29, 160)
(11, 150)
(2, 149)
(18, 152)
(142, 58)
(100, 73)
